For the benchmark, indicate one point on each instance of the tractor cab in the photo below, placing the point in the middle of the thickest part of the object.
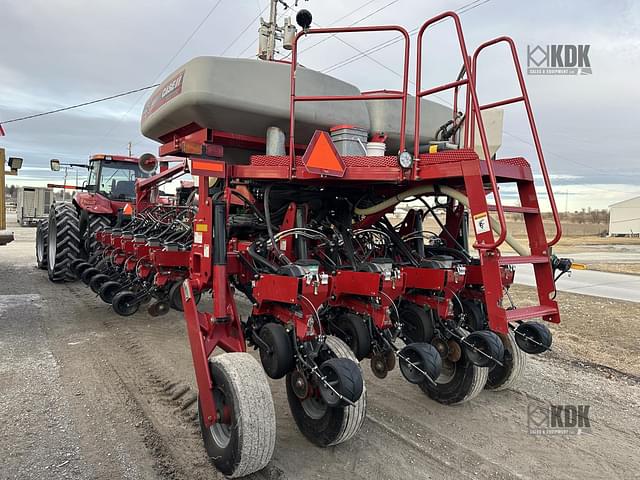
(114, 177)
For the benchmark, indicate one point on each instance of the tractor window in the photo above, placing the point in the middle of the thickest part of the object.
(118, 179)
(91, 181)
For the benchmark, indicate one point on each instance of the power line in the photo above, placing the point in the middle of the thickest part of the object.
(182, 47)
(71, 107)
(252, 22)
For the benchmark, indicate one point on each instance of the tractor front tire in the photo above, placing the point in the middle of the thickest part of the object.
(63, 242)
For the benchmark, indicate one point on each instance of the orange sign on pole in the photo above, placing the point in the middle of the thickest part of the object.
(321, 156)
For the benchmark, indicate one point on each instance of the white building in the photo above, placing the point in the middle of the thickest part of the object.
(624, 217)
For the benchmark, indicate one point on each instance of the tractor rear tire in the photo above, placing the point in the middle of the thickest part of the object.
(321, 424)
(515, 361)
(245, 444)
(94, 225)
(42, 244)
(63, 242)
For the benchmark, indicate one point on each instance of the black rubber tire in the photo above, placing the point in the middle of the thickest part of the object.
(280, 360)
(424, 356)
(76, 263)
(63, 241)
(475, 316)
(334, 425)
(458, 382)
(175, 297)
(417, 324)
(486, 341)
(42, 244)
(252, 432)
(345, 377)
(352, 330)
(95, 223)
(536, 331)
(97, 281)
(109, 289)
(124, 303)
(515, 362)
(88, 274)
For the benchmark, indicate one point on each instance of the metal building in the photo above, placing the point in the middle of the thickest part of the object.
(624, 217)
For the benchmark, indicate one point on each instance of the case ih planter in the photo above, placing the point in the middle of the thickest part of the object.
(306, 237)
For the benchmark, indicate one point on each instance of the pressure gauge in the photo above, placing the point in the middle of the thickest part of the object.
(405, 159)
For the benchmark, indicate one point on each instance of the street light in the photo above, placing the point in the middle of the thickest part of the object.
(15, 164)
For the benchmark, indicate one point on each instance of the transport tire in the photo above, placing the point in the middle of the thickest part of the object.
(63, 242)
(95, 223)
(125, 303)
(352, 330)
(319, 423)
(108, 290)
(515, 362)
(422, 355)
(245, 443)
(488, 343)
(42, 244)
(97, 282)
(278, 359)
(417, 324)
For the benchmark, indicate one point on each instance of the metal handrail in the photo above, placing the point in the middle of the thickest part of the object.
(524, 98)
(393, 95)
(475, 108)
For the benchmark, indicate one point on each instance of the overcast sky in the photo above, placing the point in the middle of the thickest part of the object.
(62, 52)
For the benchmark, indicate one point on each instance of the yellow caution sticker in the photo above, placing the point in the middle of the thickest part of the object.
(481, 222)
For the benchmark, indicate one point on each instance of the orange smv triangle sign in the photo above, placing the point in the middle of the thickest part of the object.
(128, 210)
(321, 156)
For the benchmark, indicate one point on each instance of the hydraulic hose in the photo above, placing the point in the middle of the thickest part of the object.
(445, 190)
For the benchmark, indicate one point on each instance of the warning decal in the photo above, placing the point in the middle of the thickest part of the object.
(481, 223)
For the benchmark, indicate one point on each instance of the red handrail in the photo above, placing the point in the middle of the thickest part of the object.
(475, 108)
(524, 98)
(391, 95)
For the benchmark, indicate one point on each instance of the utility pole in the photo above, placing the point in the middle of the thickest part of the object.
(269, 32)
(129, 148)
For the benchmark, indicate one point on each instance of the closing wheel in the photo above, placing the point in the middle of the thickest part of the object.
(533, 337)
(458, 382)
(63, 245)
(416, 322)
(243, 439)
(175, 298)
(514, 363)
(353, 331)
(417, 358)
(320, 423)
(98, 281)
(483, 348)
(42, 239)
(108, 290)
(277, 356)
(125, 303)
(88, 274)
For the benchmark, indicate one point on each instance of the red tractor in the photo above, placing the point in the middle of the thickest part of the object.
(106, 199)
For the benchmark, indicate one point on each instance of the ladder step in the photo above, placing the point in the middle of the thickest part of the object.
(527, 313)
(522, 259)
(514, 209)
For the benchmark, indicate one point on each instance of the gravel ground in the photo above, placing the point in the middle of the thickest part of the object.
(89, 395)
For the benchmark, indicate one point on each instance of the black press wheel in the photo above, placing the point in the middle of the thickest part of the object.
(458, 382)
(175, 297)
(416, 322)
(88, 274)
(417, 358)
(277, 354)
(484, 348)
(125, 303)
(352, 330)
(98, 281)
(475, 319)
(42, 241)
(533, 337)
(513, 365)
(320, 423)
(63, 245)
(241, 442)
(108, 290)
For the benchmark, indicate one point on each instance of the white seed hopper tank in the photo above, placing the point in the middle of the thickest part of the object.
(245, 96)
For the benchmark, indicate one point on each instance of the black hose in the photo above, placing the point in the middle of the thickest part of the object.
(267, 218)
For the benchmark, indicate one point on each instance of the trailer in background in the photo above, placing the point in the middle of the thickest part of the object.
(33, 204)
